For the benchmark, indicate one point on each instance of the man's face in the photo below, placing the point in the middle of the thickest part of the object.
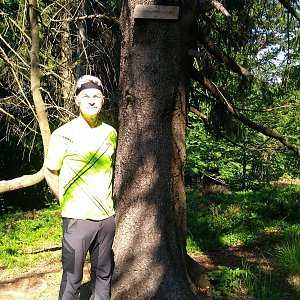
(90, 101)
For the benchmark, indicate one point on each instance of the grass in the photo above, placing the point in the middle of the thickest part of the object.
(246, 218)
(288, 254)
(269, 218)
(25, 237)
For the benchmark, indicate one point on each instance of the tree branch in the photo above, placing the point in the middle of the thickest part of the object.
(95, 16)
(198, 113)
(13, 51)
(208, 5)
(14, 72)
(219, 6)
(288, 5)
(219, 54)
(204, 119)
(21, 182)
(236, 114)
(18, 120)
(23, 32)
(35, 77)
(29, 180)
(269, 109)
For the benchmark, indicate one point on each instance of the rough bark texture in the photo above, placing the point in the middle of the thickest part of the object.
(149, 191)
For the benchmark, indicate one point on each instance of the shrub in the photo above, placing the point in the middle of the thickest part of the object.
(226, 282)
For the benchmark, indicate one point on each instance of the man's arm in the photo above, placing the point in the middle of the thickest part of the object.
(51, 177)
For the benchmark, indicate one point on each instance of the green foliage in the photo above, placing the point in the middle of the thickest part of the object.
(227, 282)
(241, 283)
(240, 169)
(263, 37)
(191, 246)
(25, 237)
(246, 282)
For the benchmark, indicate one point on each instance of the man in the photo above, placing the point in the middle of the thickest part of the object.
(79, 171)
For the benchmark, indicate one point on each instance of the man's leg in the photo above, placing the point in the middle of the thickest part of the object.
(101, 260)
(77, 237)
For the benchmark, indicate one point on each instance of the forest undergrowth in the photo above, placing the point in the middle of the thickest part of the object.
(247, 244)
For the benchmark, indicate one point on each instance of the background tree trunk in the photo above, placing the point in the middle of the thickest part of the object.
(148, 248)
(68, 80)
(81, 40)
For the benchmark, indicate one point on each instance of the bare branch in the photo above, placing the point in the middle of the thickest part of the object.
(220, 7)
(11, 49)
(268, 109)
(18, 120)
(14, 72)
(95, 16)
(202, 116)
(208, 5)
(21, 182)
(16, 25)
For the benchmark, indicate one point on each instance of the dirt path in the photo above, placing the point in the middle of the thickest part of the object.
(42, 281)
(38, 283)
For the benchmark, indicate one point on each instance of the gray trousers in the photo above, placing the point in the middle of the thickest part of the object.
(79, 237)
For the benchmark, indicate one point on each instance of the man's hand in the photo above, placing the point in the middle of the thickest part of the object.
(52, 178)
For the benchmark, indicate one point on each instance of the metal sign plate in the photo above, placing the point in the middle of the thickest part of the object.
(156, 12)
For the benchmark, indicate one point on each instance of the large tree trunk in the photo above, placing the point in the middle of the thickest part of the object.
(149, 191)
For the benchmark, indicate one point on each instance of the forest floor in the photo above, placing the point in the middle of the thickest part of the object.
(42, 280)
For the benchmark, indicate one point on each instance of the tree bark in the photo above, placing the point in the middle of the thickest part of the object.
(149, 249)
(66, 65)
(82, 55)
